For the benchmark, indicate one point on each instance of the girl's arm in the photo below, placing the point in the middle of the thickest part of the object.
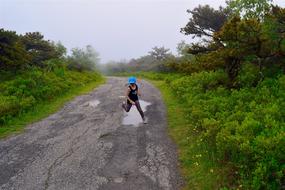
(127, 96)
(139, 92)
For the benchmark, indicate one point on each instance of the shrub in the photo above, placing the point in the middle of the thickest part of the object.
(31, 87)
(244, 129)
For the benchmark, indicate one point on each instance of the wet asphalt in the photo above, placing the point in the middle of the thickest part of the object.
(86, 146)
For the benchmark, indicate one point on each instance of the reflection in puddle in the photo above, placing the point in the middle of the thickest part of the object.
(133, 117)
(93, 103)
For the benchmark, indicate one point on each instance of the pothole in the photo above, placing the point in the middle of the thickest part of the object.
(118, 180)
(133, 117)
(93, 103)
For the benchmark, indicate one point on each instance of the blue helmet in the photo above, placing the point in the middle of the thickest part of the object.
(132, 80)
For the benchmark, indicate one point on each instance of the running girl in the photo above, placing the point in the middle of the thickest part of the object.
(132, 97)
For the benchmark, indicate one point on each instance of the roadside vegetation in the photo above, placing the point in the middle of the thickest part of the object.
(37, 77)
(225, 95)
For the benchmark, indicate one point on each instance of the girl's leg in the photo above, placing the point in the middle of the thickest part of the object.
(127, 106)
(139, 108)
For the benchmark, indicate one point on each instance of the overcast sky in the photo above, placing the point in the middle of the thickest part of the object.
(117, 29)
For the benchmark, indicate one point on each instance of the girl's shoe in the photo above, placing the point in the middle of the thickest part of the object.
(123, 105)
(144, 121)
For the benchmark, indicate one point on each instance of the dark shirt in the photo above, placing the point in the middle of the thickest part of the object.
(133, 94)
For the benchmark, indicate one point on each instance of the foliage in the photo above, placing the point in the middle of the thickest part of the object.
(113, 67)
(157, 60)
(240, 41)
(205, 21)
(235, 96)
(41, 50)
(160, 53)
(13, 55)
(182, 49)
(20, 52)
(274, 31)
(250, 8)
(28, 88)
(241, 131)
(35, 70)
(83, 59)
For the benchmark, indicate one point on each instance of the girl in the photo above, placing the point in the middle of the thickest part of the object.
(132, 98)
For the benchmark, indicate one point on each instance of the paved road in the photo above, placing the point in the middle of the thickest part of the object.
(85, 146)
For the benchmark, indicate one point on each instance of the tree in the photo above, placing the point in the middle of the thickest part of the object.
(60, 49)
(92, 54)
(242, 39)
(83, 59)
(12, 52)
(261, 43)
(182, 48)
(160, 53)
(239, 40)
(41, 50)
(205, 21)
(250, 8)
(274, 30)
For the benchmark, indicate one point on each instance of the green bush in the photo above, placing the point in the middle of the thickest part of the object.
(242, 129)
(31, 87)
(246, 127)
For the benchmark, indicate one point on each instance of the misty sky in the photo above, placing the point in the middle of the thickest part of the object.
(117, 29)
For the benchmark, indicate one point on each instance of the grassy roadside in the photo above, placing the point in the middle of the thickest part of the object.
(45, 108)
(198, 171)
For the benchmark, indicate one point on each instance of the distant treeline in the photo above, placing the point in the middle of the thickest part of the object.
(154, 61)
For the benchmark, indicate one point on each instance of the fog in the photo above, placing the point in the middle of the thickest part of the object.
(117, 29)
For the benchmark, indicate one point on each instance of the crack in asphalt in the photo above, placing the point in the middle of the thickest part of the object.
(58, 161)
(154, 165)
(61, 158)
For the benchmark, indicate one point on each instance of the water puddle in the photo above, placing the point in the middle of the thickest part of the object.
(133, 117)
(93, 103)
